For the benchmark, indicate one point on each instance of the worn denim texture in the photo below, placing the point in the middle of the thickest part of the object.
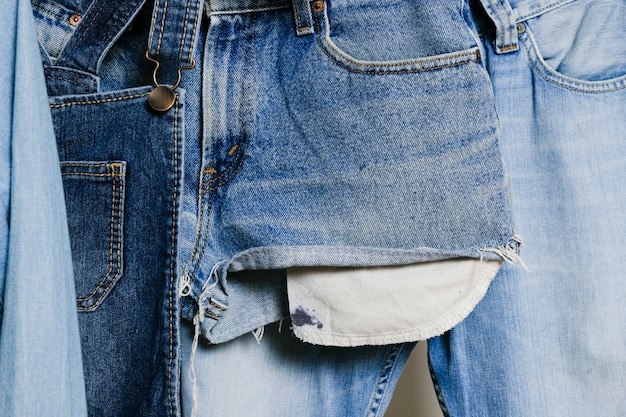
(281, 376)
(368, 137)
(551, 341)
(336, 149)
(40, 362)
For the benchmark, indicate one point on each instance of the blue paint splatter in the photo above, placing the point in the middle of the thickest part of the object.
(301, 316)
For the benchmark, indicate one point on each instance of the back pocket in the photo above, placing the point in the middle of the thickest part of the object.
(94, 195)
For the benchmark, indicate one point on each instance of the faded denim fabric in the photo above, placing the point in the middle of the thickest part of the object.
(344, 146)
(282, 376)
(552, 341)
(346, 133)
(40, 361)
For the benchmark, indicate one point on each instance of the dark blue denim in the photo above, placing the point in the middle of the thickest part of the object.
(121, 163)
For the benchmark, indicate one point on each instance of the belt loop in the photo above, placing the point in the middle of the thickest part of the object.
(302, 15)
(501, 13)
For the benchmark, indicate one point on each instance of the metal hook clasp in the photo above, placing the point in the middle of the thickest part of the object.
(162, 98)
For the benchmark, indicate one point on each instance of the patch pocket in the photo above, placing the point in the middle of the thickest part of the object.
(94, 195)
(579, 45)
(371, 37)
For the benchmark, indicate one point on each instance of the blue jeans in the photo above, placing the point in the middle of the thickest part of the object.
(304, 135)
(281, 376)
(550, 342)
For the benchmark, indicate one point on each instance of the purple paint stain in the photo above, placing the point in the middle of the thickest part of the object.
(302, 317)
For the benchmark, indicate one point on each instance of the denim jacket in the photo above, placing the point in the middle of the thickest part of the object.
(40, 361)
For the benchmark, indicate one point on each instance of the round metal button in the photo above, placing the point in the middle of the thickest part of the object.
(161, 99)
(75, 19)
(317, 6)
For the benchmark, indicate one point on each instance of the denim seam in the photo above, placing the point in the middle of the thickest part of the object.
(55, 16)
(79, 174)
(195, 28)
(86, 25)
(69, 80)
(170, 388)
(162, 29)
(471, 55)
(383, 379)
(437, 387)
(184, 35)
(544, 9)
(237, 163)
(298, 22)
(79, 164)
(155, 12)
(219, 307)
(106, 100)
(245, 11)
(552, 76)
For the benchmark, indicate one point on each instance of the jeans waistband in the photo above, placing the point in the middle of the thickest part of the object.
(506, 14)
(246, 6)
(301, 10)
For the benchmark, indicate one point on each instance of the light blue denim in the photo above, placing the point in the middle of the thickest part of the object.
(552, 341)
(40, 361)
(281, 376)
(369, 138)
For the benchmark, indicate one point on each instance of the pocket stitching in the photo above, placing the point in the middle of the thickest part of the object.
(553, 76)
(91, 302)
(416, 65)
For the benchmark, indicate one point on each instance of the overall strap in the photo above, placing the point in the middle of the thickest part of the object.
(171, 44)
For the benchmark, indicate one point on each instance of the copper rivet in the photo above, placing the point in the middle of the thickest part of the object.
(75, 19)
(317, 6)
(161, 99)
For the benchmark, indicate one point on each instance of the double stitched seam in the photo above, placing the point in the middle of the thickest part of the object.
(438, 391)
(384, 376)
(155, 12)
(182, 39)
(504, 22)
(48, 12)
(193, 34)
(300, 27)
(539, 67)
(541, 10)
(205, 205)
(508, 48)
(163, 17)
(105, 100)
(80, 164)
(246, 11)
(170, 387)
(469, 57)
(86, 25)
(219, 307)
(237, 164)
(69, 80)
(116, 207)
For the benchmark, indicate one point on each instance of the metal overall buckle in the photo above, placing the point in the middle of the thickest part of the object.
(162, 98)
